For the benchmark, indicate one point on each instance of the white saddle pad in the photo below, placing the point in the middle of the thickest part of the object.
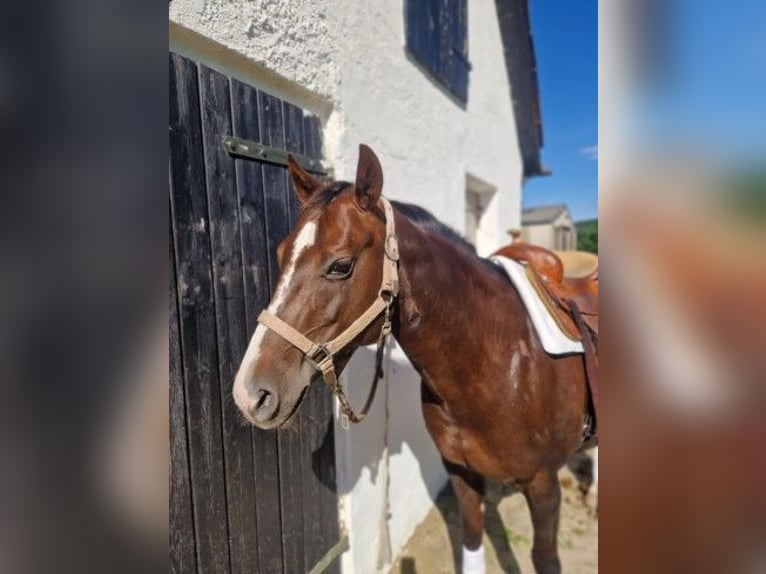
(552, 337)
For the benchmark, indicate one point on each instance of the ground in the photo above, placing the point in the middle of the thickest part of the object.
(507, 534)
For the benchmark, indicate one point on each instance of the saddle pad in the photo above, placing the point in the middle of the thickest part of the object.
(554, 340)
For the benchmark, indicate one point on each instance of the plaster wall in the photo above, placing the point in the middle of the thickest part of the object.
(346, 61)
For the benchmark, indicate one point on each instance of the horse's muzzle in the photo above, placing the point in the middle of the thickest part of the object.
(266, 405)
(259, 401)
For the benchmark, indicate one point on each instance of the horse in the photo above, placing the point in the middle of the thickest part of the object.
(496, 405)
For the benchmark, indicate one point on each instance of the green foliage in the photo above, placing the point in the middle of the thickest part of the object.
(745, 195)
(516, 538)
(565, 541)
(587, 235)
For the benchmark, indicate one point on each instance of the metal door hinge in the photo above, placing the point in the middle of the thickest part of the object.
(254, 150)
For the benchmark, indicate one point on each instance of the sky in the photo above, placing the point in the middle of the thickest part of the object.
(714, 87)
(710, 98)
(565, 37)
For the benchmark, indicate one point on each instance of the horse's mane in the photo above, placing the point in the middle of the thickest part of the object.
(426, 220)
(325, 195)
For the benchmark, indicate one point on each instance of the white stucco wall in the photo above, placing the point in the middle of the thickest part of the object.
(345, 60)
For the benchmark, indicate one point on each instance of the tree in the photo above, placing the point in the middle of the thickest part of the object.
(587, 235)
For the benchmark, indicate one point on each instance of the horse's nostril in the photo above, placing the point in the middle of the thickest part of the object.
(263, 400)
(265, 406)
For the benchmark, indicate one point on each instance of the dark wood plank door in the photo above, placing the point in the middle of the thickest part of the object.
(242, 500)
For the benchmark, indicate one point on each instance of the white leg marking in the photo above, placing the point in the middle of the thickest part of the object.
(473, 561)
(303, 241)
(595, 466)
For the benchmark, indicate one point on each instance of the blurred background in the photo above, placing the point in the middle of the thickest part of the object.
(683, 238)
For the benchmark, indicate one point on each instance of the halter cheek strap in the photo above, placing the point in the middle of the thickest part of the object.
(321, 355)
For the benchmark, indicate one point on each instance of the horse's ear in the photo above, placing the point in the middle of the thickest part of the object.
(305, 185)
(369, 178)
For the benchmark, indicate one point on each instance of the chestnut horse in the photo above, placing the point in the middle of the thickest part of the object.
(494, 402)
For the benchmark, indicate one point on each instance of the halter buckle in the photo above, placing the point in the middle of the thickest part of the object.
(319, 355)
(391, 247)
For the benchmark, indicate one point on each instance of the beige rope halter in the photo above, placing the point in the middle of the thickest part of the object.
(321, 355)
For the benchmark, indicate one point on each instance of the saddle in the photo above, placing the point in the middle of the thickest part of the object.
(563, 280)
(567, 282)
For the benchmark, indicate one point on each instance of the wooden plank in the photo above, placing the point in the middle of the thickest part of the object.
(197, 318)
(274, 185)
(255, 255)
(328, 489)
(320, 440)
(445, 43)
(459, 67)
(295, 141)
(182, 551)
(231, 328)
(312, 129)
(252, 209)
(412, 10)
(421, 28)
(435, 30)
(323, 453)
(433, 34)
(311, 418)
(448, 57)
(277, 210)
(309, 413)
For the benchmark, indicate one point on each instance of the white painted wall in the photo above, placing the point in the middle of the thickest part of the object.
(346, 60)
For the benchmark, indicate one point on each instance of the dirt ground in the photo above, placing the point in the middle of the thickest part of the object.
(435, 546)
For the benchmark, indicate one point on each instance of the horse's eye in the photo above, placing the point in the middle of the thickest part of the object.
(340, 268)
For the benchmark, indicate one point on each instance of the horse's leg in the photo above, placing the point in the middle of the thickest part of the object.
(580, 465)
(543, 495)
(469, 490)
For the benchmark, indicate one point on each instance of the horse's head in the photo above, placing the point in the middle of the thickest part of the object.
(331, 269)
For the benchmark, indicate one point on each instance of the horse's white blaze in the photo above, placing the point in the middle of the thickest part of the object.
(303, 241)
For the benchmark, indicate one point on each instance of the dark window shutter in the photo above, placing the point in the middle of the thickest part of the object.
(437, 36)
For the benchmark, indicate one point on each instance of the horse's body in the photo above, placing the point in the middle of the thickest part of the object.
(494, 402)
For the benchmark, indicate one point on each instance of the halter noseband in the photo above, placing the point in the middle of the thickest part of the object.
(321, 355)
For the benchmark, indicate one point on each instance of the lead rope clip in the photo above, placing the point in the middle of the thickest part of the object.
(386, 321)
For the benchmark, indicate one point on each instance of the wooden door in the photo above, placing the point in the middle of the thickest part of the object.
(242, 500)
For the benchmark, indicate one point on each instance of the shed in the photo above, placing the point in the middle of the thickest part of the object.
(550, 226)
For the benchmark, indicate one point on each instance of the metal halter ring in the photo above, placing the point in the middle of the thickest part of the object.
(318, 356)
(391, 247)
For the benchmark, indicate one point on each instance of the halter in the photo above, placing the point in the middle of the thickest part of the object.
(321, 355)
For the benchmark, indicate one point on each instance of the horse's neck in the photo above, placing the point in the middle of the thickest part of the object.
(451, 305)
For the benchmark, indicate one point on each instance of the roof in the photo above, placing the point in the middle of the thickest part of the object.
(543, 214)
(521, 67)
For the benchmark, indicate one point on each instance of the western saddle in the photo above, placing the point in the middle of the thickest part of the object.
(567, 282)
(561, 278)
